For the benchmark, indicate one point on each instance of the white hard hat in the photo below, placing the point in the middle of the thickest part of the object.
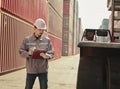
(40, 24)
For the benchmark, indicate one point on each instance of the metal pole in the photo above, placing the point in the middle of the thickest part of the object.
(112, 24)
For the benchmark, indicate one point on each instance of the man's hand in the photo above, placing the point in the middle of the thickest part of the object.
(31, 50)
(45, 55)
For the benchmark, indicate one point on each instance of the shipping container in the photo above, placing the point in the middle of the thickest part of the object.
(66, 29)
(57, 45)
(27, 10)
(75, 28)
(57, 5)
(55, 23)
(12, 32)
(70, 27)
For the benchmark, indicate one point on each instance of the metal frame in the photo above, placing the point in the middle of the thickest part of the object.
(95, 31)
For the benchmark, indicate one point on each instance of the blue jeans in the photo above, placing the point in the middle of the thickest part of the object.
(30, 79)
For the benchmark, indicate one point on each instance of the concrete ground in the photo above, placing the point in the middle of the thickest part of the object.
(62, 75)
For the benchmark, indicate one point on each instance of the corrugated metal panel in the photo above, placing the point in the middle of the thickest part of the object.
(75, 28)
(71, 27)
(58, 6)
(12, 32)
(57, 45)
(28, 10)
(65, 36)
(66, 5)
(55, 23)
(69, 33)
(66, 28)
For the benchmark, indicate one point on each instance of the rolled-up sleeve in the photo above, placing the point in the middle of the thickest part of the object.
(23, 51)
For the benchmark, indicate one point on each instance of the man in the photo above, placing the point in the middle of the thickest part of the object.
(37, 50)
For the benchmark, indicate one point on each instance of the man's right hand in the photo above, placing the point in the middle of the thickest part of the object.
(31, 50)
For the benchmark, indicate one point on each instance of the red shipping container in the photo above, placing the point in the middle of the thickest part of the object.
(28, 10)
(57, 45)
(12, 32)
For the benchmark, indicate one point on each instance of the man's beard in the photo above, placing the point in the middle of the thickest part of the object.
(37, 37)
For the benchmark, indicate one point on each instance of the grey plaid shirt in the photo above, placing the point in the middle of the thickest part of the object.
(36, 65)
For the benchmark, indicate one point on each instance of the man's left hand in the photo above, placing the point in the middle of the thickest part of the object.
(45, 55)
